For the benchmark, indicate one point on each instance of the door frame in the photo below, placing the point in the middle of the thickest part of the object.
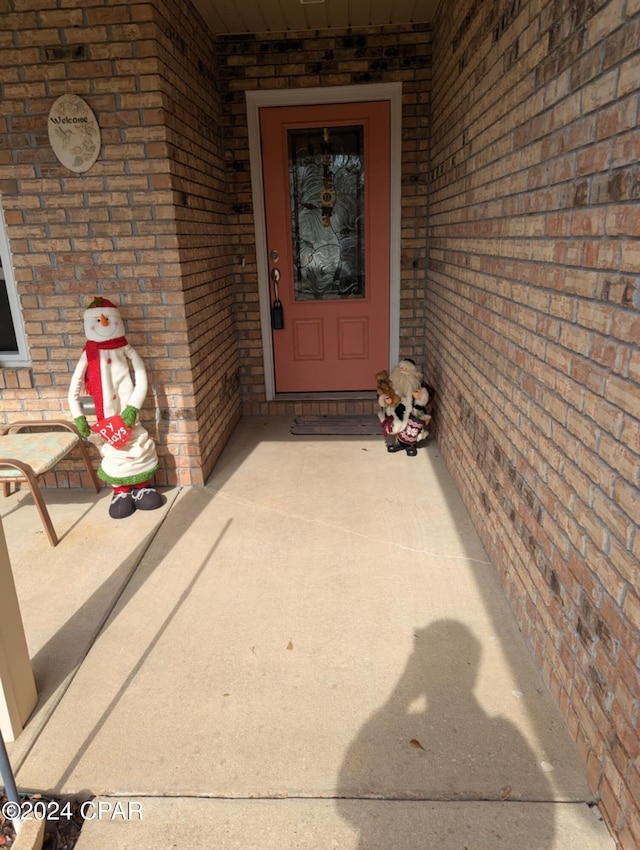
(257, 100)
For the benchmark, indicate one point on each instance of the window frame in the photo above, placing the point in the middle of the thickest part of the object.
(19, 358)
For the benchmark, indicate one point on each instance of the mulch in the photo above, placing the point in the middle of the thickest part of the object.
(62, 830)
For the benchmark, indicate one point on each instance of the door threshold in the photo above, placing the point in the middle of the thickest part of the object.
(354, 395)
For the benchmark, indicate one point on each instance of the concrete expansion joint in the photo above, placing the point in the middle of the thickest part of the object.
(289, 797)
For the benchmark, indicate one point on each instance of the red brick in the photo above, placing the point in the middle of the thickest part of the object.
(615, 119)
(631, 608)
(593, 159)
(621, 393)
(605, 22)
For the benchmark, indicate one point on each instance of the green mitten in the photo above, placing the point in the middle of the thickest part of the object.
(82, 426)
(129, 415)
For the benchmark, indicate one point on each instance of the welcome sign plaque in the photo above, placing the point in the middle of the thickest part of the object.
(74, 133)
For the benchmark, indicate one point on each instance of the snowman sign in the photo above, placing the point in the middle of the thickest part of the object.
(112, 372)
(114, 431)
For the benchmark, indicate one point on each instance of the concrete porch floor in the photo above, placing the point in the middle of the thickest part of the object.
(312, 651)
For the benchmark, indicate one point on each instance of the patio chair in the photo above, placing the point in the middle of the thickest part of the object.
(26, 457)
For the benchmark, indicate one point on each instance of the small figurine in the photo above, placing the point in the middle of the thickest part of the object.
(129, 459)
(384, 388)
(407, 418)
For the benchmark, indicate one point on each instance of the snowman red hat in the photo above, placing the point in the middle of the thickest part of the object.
(100, 303)
(103, 323)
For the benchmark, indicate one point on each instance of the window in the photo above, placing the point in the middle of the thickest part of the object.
(13, 347)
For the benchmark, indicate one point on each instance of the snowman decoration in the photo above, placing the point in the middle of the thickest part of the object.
(129, 459)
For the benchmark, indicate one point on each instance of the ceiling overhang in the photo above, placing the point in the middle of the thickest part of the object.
(237, 17)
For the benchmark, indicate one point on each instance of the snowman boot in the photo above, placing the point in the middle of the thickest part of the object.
(145, 498)
(122, 504)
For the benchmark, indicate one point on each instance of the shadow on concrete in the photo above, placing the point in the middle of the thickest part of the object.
(542, 723)
(65, 651)
(432, 741)
(546, 723)
(56, 663)
(144, 655)
(23, 498)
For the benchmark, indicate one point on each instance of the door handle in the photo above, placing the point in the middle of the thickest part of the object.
(277, 314)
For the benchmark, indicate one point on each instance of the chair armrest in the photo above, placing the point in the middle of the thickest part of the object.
(16, 427)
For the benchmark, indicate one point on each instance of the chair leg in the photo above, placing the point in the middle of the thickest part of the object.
(87, 462)
(32, 481)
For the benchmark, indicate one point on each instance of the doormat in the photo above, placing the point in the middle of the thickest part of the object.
(346, 425)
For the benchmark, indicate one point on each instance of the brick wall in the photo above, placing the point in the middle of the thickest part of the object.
(532, 341)
(327, 58)
(206, 336)
(144, 226)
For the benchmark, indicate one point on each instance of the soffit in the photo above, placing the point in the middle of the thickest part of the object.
(225, 17)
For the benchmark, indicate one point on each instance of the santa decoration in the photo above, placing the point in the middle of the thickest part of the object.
(404, 406)
(104, 372)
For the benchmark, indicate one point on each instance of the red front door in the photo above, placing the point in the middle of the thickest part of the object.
(327, 197)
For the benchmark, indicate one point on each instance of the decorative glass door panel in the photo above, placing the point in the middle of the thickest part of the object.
(326, 172)
(326, 184)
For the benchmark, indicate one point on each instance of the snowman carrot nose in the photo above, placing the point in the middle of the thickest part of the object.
(103, 320)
